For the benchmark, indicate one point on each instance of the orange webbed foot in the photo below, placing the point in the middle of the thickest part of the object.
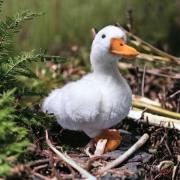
(107, 141)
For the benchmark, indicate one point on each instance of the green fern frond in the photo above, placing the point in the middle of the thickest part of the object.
(16, 118)
(13, 138)
(19, 61)
(18, 64)
(6, 97)
(9, 28)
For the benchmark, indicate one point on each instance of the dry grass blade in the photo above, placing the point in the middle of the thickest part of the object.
(152, 71)
(151, 48)
(148, 47)
(68, 160)
(145, 100)
(155, 109)
(150, 57)
(124, 156)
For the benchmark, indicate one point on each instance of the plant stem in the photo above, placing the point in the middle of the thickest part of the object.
(68, 160)
(124, 156)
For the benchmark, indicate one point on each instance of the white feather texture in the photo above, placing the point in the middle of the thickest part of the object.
(100, 99)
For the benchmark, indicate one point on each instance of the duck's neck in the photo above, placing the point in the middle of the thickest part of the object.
(104, 66)
(109, 70)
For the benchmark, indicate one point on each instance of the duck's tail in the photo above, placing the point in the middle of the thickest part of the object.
(49, 104)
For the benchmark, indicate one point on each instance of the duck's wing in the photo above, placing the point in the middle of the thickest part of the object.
(78, 101)
(82, 100)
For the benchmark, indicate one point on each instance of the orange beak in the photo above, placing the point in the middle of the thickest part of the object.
(118, 47)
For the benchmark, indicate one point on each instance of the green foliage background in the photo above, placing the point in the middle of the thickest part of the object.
(69, 21)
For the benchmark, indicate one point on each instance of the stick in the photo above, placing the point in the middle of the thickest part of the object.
(152, 48)
(175, 171)
(150, 57)
(139, 42)
(146, 100)
(155, 109)
(154, 71)
(93, 33)
(161, 121)
(174, 94)
(39, 162)
(143, 81)
(41, 176)
(154, 120)
(69, 161)
(124, 156)
(100, 147)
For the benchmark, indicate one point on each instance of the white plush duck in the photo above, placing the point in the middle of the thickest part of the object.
(100, 99)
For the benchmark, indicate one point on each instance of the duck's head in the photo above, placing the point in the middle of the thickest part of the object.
(109, 46)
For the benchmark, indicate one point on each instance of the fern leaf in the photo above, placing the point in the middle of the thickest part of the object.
(13, 138)
(19, 61)
(8, 29)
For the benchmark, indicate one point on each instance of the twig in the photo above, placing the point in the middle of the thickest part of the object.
(152, 48)
(100, 147)
(124, 156)
(145, 100)
(175, 171)
(41, 176)
(174, 94)
(130, 20)
(148, 47)
(68, 160)
(167, 147)
(143, 81)
(40, 167)
(93, 33)
(155, 72)
(87, 152)
(38, 162)
(154, 119)
(178, 105)
(93, 159)
(150, 57)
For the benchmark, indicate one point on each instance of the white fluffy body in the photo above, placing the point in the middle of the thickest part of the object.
(98, 100)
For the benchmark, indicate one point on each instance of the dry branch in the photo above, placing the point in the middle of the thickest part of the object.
(40, 176)
(124, 156)
(155, 109)
(143, 81)
(155, 120)
(152, 71)
(150, 57)
(100, 147)
(161, 121)
(38, 162)
(69, 161)
(148, 47)
(146, 100)
(174, 94)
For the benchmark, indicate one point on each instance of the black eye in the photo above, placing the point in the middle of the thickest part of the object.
(103, 36)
